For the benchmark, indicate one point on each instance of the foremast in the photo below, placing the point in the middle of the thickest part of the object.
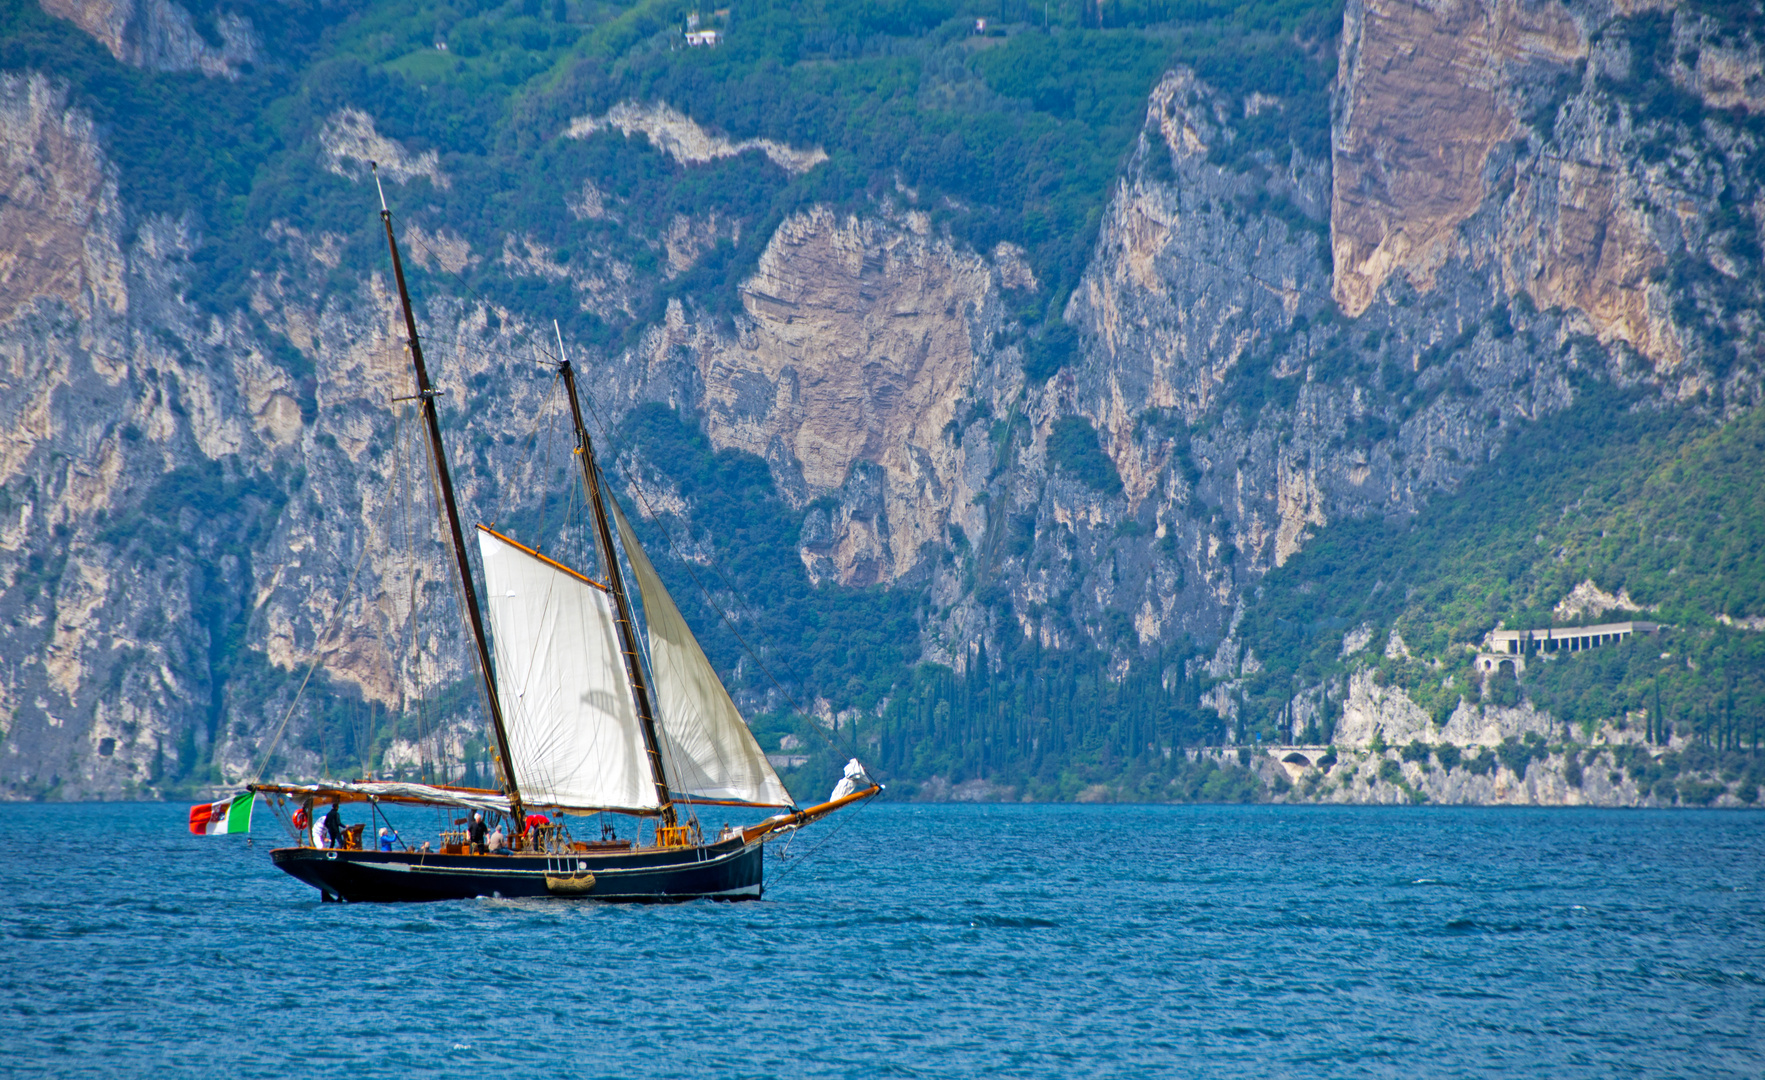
(591, 479)
(426, 402)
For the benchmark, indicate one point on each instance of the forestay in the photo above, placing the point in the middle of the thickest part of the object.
(567, 702)
(709, 751)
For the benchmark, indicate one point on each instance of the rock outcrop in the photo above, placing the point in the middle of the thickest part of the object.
(1428, 93)
(681, 138)
(101, 670)
(186, 494)
(1491, 133)
(1375, 713)
(862, 346)
(60, 206)
(161, 35)
(1574, 774)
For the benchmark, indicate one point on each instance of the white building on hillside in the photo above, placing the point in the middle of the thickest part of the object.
(1513, 646)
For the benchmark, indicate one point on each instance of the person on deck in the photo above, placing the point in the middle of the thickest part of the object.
(498, 842)
(476, 833)
(333, 826)
(386, 837)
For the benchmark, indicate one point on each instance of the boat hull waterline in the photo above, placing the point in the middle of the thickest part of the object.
(729, 870)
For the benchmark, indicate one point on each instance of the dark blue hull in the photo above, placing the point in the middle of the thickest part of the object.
(730, 870)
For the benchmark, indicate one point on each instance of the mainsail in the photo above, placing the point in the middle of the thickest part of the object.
(711, 754)
(566, 700)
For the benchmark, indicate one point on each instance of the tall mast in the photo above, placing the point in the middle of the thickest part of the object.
(426, 402)
(591, 478)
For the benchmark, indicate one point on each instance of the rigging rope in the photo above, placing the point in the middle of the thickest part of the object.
(790, 867)
(318, 655)
(668, 534)
(428, 735)
(402, 481)
(606, 433)
(650, 513)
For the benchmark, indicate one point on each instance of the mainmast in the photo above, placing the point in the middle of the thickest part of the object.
(591, 478)
(426, 402)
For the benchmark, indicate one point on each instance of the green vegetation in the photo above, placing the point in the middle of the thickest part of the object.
(1044, 722)
(1662, 504)
(1074, 448)
(1016, 137)
(1678, 776)
(851, 645)
(1519, 754)
(1041, 721)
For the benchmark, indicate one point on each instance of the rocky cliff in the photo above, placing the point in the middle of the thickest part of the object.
(191, 500)
(863, 341)
(1492, 202)
(1517, 197)
(1518, 774)
(161, 35)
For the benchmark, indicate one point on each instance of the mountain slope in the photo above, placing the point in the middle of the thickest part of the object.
(1036, 402)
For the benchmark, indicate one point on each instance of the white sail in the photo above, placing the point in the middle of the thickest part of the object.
(566, 700)
(707, 748)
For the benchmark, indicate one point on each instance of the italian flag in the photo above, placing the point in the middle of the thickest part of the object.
(227, 816)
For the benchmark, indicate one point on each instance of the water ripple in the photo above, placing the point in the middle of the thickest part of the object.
(1080, 941)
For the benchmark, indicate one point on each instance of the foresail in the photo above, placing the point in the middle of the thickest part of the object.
(710, 753)
(567, 702)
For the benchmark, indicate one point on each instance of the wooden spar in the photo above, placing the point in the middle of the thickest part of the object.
(320, 793)
(553, 563)
(463, 798)
(799, 818)
(591, 478)
(426, 402)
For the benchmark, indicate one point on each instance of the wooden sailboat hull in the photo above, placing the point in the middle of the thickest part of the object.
(730, 870)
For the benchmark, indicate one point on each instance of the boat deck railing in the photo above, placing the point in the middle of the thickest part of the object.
(539, 840)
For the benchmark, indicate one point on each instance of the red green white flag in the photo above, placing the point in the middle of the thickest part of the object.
(227, 816)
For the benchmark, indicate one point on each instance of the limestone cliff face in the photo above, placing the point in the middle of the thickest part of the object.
(161, 34)
(1241, 413)
(64, 300)
(1374, 712)
(60, 204)
(1499, 190)
(1189, 289)
(1428, 94)
(1595, 778)
(1497, 133)
(186, 508)
(864, 342)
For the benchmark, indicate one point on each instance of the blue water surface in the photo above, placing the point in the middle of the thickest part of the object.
(916, 940)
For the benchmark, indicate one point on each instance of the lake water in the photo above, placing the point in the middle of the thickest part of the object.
(914, 940)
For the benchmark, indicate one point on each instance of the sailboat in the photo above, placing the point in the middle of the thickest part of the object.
(580, 724)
